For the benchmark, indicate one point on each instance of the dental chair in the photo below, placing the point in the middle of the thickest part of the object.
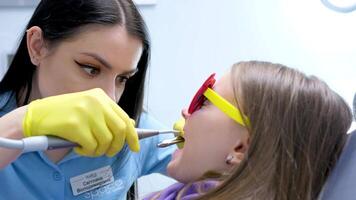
(341, 185)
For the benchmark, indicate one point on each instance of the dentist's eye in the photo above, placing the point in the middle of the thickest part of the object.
(122, 79)
(90, 70)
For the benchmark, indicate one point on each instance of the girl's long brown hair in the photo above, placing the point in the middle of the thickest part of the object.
(298, 129)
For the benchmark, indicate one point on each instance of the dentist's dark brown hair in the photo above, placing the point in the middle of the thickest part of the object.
(63, 20)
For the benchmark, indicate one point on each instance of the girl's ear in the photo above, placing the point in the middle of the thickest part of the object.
(238, 153)
(35, 44)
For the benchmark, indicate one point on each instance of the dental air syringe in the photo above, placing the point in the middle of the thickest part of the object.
(43, 143)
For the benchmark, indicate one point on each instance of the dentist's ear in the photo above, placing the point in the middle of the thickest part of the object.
(236, 156)
(35, 44)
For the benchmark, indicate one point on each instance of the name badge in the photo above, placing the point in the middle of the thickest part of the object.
(91, 180)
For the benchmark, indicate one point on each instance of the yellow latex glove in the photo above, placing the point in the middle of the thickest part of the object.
(178, 126)
(90, 119)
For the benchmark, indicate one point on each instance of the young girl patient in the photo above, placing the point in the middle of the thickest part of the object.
(263, 131)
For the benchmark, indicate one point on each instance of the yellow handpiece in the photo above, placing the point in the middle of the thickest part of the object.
(178, 126)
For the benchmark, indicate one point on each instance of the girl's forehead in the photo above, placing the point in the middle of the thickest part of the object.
(223, 87)
(223, 83)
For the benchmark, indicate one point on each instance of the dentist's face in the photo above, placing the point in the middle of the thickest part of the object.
(98, 57)
(210, 136)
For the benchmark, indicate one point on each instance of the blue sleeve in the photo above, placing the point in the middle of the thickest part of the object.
(153, 159)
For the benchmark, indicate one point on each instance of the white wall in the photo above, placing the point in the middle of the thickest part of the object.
(193, 38)
(12, 24)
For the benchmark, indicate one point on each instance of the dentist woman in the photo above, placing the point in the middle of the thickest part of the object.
(78, 74)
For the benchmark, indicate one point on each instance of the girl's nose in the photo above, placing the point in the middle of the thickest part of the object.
(185, 113)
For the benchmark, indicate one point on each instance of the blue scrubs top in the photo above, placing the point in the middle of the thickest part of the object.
(34, 176)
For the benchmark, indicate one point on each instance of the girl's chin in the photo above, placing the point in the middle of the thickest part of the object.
(172, 169)
(173, 166)
(177, 170)
(174, 172)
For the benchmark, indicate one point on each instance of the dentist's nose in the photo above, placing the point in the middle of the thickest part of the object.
(111, 92)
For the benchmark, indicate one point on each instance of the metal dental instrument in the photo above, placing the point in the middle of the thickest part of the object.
(42, 143)
(169, 142)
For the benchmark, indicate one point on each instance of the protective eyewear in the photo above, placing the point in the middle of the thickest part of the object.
(207, 93)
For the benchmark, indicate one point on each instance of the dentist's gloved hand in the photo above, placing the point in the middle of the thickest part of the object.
(178, 126)
(90, 118)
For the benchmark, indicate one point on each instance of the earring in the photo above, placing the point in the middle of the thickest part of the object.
(228, 159)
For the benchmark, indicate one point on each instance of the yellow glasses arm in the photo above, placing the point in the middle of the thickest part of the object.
(226, 107)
